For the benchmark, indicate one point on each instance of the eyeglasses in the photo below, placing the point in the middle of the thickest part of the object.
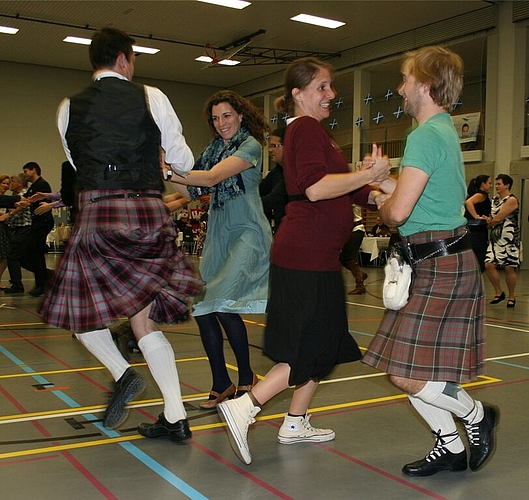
(275, 145)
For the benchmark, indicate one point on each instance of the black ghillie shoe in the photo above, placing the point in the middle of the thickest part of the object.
(437, 460)
(177, 432)
(481, 436)
(130, 385)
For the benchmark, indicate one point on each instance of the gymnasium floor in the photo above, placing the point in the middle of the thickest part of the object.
(53, 393)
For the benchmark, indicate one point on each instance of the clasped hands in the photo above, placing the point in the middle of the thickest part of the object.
(381, 167)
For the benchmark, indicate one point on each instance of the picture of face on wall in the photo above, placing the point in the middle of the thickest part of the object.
(467, 127)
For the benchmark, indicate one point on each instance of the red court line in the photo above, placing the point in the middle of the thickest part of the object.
(26, 460)
(89, 476)
(57, 388)
(242, 472)
(383, 473)
(63, 363)
(33, 337)
(77, 465)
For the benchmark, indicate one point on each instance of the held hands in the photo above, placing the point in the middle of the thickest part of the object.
(38, 196)
(43, 208)
(378, 198)
(23, 203)
(377, 163)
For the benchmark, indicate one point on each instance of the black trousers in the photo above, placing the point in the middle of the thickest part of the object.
(34, 257)
(17, 249)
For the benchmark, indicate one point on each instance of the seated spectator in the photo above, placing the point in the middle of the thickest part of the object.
(186, 228)
(380, 229)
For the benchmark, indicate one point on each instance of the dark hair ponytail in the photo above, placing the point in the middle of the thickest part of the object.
(475, 184)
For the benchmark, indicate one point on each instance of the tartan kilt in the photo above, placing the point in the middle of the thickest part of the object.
(440, 334)
(121, 257)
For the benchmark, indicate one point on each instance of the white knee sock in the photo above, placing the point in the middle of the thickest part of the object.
(441, 422)
(160, 358)
(451, 397)
(101, 345)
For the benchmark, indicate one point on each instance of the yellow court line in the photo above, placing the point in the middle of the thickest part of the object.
(93, 368)
(64, 412)
(68, 412)
(11, 325)
(50, 449)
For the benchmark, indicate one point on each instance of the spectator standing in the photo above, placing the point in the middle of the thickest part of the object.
(477, 212)
(272, 189)
(504, 246)
(349, 254)
(5, 234)
(34, 258)
(20, 227)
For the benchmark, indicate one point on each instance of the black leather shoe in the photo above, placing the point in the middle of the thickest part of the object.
(13, 291)
(498, 298)
(178, 432)
(437, 460)
(130, 385)
(481, 436)
(37, 291)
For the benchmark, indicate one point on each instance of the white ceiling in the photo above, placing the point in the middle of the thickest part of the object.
(187, 26)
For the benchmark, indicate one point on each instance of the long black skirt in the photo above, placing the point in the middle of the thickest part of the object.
(307, 323)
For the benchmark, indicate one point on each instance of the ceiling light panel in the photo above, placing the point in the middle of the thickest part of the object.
(318, 21)
(8, 30)
(234, 4)
(87, 41)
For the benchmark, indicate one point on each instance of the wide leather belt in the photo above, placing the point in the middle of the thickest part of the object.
(416, 253)
(127, 195)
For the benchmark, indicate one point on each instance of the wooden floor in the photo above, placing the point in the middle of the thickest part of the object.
(53, 446)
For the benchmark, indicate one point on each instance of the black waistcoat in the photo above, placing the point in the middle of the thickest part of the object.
(112, 137)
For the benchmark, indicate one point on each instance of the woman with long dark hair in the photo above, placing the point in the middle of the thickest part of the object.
(235, 259)
(477, 210)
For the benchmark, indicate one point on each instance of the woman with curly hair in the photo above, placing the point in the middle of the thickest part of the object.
(235, 257)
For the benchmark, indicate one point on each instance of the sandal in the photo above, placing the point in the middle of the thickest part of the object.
(215, 398)
(243, 389)
(511, 302)
(498, 298)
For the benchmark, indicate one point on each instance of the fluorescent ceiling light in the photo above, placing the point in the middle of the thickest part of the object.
(229, 62)
(318, 21)
(234, 4)
(87, 41)
(8, 30)
(224, 62)
(79, 40)
(144, 50)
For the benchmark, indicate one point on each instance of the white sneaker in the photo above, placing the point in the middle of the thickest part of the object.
(298, 430)
(239, 415)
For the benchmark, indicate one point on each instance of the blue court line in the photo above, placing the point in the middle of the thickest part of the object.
(511, 364)
(149, 462)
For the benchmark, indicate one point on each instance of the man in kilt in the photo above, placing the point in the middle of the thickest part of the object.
(436, 341)
(121, 259)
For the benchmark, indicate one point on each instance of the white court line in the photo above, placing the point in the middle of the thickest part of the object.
(490, 325)
(509, 356)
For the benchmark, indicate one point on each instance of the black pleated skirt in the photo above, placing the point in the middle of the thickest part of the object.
(307, 323)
